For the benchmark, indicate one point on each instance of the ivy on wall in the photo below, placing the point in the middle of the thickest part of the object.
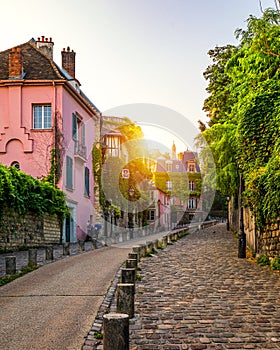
(22, 193)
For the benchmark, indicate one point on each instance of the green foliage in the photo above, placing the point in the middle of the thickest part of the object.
(22, 193)
(263, 260)
(244, 112)
(10, 278)
(275, 263)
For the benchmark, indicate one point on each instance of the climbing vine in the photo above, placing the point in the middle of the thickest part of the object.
(21, 193)
(244, 111)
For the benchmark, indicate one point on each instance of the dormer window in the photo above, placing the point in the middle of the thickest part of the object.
(42, 117)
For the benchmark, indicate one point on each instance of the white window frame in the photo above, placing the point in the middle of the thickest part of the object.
(43, 120)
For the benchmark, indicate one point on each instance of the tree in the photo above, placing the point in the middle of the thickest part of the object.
(244, 113)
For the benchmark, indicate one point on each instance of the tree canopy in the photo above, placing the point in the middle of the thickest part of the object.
(244, 114)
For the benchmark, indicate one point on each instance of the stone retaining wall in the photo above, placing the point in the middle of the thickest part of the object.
(266, 242)
(28, 230)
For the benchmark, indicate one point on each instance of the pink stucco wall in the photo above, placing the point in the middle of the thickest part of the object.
(31, 148)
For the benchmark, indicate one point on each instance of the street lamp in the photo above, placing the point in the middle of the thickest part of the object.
(242, 235)
(130, 214)
(228, 213)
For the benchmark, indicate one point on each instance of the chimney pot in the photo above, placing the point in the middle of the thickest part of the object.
(45, 46)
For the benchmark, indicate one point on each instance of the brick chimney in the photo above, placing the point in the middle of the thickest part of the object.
(15, 64)
(45, 45)
(68, 61)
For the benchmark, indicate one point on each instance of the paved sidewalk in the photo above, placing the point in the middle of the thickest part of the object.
(196, 294)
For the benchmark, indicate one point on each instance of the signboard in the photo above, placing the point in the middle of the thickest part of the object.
(125, 173)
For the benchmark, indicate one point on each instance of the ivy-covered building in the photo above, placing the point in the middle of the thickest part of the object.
(180, 178)
(48, 125)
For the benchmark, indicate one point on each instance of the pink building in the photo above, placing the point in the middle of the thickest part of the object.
(44, 112)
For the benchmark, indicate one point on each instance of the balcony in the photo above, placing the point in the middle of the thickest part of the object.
(80, 151)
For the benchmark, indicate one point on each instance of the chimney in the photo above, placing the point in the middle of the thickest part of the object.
(45, 45)
(15, 64)
(68, 61)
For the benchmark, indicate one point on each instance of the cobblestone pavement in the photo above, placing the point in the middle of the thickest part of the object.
(197, 294)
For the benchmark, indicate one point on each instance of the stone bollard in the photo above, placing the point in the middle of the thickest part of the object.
(125, 298)
(82, 245)
(128, 275)
(133, 256)
(116, 332)
(131, 264)
(143, 250)
(66, 248)
(164, 242)
(136, 251)
(149, 246)
(169, 239)
(32, 257)
(11, 267)
(49, 252)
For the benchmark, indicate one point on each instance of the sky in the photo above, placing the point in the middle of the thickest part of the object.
(143, 59)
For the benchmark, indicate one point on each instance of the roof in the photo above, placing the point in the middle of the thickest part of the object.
(38, 66)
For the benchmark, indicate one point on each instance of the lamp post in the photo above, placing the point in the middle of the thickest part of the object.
(130, 214)
(228, 213)
(241, 234)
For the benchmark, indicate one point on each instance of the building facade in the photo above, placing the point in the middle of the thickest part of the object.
(48, 125)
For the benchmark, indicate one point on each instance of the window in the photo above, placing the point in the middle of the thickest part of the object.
(16, 165)
(168, 167)
(42, 117)
(151, 215)
(69, 172)
(191, 168)
(86, 181)
(113, 144)
(191, 186)
(192, 203)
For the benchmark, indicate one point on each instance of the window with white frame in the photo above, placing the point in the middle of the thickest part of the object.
(113, 143)
(192, 203)
(191, 186)
(42, 116)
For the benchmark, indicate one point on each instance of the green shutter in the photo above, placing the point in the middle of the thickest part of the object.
(69, 172)
(86, 181)
(74, 127)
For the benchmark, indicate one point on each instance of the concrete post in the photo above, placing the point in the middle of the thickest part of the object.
(116, 332)
(66, 248)
(32, 257)
(134, 255)
(82, 245)
(49, 252)
(131, 263)
(143, 250)
(128, 275)
(136, 250)
(11, 267)
(125, 298)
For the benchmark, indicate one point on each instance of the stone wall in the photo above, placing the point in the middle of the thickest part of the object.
(29, 230)
(265, 242)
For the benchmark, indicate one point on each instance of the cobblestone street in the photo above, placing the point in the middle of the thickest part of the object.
(197, 294)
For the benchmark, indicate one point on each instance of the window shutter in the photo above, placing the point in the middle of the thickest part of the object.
(83, 134)
(74, 127)
(86, 181)
(69, 172)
